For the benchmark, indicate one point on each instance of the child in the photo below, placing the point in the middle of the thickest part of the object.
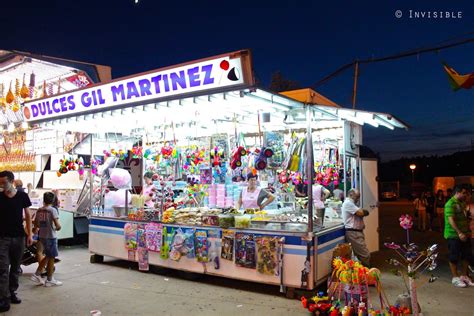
(44, 220)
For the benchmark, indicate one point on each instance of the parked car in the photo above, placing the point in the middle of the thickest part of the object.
(389, 195)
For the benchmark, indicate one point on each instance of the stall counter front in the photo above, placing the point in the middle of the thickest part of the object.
(106, 238)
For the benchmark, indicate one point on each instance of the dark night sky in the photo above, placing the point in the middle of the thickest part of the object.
(305, 40)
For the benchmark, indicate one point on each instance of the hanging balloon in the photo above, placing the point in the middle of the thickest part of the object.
(24, 91)
(10, 97)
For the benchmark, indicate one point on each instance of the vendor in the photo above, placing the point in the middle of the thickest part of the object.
(149, 189)
(253, 197)
(320, 194)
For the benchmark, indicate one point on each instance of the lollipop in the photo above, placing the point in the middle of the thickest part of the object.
(406, 222)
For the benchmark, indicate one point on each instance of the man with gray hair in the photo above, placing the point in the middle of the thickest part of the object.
(353, 217)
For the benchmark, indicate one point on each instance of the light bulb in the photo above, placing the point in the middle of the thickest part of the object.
(11, 127)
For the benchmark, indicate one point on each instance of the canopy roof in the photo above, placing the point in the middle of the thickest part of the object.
(54, 74)
(194, 95)
(219, 112)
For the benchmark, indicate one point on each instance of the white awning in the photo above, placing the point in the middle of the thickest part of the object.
(218, 112)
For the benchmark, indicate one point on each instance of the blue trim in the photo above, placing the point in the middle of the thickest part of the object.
(107, 223)
(329, 247)
(289, 240)
(297, 252)
(331, 236)
(105, 231)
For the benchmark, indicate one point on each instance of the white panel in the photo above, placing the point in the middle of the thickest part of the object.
(68, 180)
(66, 219)
(55, 158)
(113, 245)
(369, 201)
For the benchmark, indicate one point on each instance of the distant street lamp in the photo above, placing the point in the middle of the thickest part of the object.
(412, 167)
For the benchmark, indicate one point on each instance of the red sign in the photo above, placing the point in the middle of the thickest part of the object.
(80, 80)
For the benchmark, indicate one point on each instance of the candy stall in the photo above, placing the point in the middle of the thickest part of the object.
(33, 155)
(195, 168)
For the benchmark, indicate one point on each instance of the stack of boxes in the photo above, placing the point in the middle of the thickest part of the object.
(212, 195)
(223, 195)
(220, 196)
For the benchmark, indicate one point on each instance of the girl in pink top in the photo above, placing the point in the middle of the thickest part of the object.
(320, 194)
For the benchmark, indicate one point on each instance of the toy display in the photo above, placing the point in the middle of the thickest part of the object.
(130, 231)
(168, 234)
(153, 233)
(141, 236)
(201, 246)
(267, 255)
(227, 251)
(237, 157)
(245, 255)
(182, 245)
(262, 155)
(143, 264)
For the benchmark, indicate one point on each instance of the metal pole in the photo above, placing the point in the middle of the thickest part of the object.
(354, 90)
(91, 179)
(310, 168)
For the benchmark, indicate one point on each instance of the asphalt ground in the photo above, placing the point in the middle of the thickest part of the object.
(117, 287)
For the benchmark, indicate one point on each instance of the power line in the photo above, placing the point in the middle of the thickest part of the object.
(400, 55)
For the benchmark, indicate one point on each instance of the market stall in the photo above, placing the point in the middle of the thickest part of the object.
(28, 153)
(171, 151)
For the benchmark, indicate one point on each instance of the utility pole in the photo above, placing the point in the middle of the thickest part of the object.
(354, 90)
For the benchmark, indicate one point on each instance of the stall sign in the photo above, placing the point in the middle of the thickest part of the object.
(201, 76)
(80, 80)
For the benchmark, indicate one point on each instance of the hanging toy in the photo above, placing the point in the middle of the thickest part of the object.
(263, 155)
(10, 96)
(94, 165)
(216, 156)
(32, 84)
(137, 152)
(80, 164)
(283, 177)
(237, 156)
(45, 93)
(166, 151)
(24, 91)
(17, 87)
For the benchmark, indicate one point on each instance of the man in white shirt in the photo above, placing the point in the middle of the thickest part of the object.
(353, 217)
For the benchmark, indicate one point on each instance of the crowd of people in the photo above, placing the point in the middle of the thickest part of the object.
(18, 229)
(454, 221)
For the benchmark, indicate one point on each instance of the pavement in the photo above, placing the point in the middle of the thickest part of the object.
(118, 288)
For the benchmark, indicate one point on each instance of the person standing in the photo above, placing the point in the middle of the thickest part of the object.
(253, 196)
(13, 204)
(353, 217)
(457, 233)
(18, 184)
(320, 194)
(430, 211)
(47, 222)
(439, 206)
(420, 210)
